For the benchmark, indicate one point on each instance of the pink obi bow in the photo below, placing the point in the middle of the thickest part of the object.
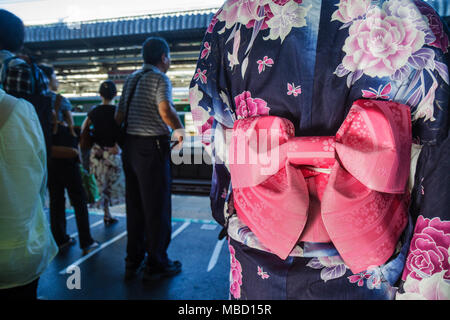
(349, 189)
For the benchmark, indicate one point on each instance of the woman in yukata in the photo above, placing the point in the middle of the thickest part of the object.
(328, 122)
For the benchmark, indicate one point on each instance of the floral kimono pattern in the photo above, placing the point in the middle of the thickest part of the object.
(106, 165)
(308, 61)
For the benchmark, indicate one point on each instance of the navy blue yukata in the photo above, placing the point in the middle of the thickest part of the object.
(308, 61)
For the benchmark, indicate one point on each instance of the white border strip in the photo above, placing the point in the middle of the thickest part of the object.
(109, 242)
(73, 235)
(180, 229)
(90, 254)
(215, 255)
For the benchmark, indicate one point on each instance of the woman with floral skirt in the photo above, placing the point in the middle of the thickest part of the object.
(105, 161)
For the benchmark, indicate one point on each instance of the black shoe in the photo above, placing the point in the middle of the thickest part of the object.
(152, 273)
(131, 271)
(94, 245)
(109, 221)
(68, 243)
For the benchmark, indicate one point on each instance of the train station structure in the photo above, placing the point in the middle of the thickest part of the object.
(84, 54)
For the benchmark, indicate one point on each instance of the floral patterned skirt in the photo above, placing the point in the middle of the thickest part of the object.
(260, 275)
(106, 165)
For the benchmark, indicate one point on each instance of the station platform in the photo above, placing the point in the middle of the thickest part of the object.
(205, 259)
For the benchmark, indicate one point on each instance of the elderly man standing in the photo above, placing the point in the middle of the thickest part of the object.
(146, 111)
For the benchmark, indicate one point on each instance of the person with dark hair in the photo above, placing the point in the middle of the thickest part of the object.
(105, 162)
(153, 49)
(146, 110)
(18, 76)
(13, 31)
(65, 106)
(64, 173)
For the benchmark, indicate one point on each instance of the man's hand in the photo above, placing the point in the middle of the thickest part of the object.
(178, 137)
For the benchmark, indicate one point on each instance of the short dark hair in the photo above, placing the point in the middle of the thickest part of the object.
(153, 48)
(108, 90)
(48, 70)
(12, 31)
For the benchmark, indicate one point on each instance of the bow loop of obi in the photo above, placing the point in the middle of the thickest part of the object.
(349, 189)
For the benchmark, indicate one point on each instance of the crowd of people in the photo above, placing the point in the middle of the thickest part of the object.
(43, 151)
(355, 93)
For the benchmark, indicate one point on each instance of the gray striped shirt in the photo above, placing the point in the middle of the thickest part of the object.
(143, 115)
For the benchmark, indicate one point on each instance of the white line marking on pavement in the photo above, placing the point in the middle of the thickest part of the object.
(90, 254)
(209, 226)
(73, 235)
(109, 242)
(181, 228)
(215, 255)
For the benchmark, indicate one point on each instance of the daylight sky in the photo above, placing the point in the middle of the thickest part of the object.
(50, 11)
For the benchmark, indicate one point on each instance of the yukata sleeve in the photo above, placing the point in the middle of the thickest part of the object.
(211, 110)
(426, 273)
(208, 93)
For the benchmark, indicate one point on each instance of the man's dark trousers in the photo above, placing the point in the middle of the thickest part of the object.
(148, 179)
(65, 174)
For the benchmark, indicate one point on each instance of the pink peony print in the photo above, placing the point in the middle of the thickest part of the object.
(381, 44)
(246, 106)
(405, 9)
(239, 11)
(268, 13)
(431, 288)
(283, 2)
(235, 274)
(350, 10)
(429, 249)
(213, 22)
(267, 16)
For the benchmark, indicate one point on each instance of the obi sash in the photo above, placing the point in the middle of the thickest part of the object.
(357, 179)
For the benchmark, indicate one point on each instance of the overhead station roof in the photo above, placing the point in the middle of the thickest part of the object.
(182, 22)
(84, 53)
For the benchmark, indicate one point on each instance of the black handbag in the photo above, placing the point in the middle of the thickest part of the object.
(123, 127)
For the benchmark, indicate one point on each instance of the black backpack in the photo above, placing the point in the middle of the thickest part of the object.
(34, 91)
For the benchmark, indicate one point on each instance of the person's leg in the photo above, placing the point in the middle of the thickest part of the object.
(77, 197)
(106, 211)
(26, 292)
(155, 188)
(135, 218)
(57, 202)
(108, 178)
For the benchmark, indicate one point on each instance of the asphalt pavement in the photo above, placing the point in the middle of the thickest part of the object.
(100, 274)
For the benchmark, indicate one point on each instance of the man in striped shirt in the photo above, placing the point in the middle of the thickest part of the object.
(147, 109)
